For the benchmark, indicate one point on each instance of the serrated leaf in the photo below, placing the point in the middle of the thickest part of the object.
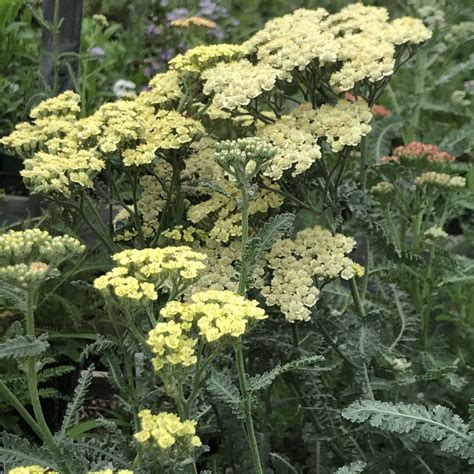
(272, 231)
(438, 424)
(459, 140)
(80, 393)
(15, 297)
(18, 451)
(221, 387)
(262, 381)
(21, 347)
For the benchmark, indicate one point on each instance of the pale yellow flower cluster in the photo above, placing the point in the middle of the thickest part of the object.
(382, 187)
(171, 343)
(294, 41)
(34, 469)
(235, 84)
(210, 314)
(224, 212)
(52, 118)
(359, 37)
(297, 147)
(28, 257)
(440, 179)
(61, 172)
(180, 234)
(220, 273)
(435, 233)
(166, 430)
(367, 43)
(343, 124)
(200, 58)
(139, 273)
(163, 88)
(298, 265)
(153, 198)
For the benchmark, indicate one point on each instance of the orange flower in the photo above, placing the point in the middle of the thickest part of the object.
(193, 21)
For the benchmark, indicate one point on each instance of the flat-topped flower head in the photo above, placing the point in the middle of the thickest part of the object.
(298, 265)
(33, 469)
(213, 315)
(140, 273)
(416, 152)
(244, 158)
(164, 88)
(29, 257)
(234, 85)
(166, 431)
(200, 58)
(432, 178)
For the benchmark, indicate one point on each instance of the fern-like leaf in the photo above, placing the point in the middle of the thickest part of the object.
(20, 347)
(77, 401)
(18, 451)
(273, 230)
(381, 136)
(261, 381)
(222, 388)
(99, 346)
(438, 424)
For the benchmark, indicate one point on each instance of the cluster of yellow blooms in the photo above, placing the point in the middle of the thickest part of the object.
(298, 264)
(343, 124)
(213, 314)
(166, 430)
(440, 179)
(382, 187)
(140, 273)
(224, 211)
(28, 257)
(200, 58)
(163, 88)
(235, 84)
(297, 147)
(435, 233)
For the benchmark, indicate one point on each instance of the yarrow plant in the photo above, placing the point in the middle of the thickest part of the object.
(243, 190)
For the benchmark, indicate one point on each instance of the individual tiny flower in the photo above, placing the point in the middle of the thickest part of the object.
(124, 88)
(400, 364)
(380, 111)
(153, 30)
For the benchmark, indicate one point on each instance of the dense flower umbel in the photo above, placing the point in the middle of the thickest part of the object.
(166, 431)
(416, 152)
(440, 179)
(140, 273)
(235, 84)
(200, 58)
(28, 257)
(314, 254)
(34, 469)
(210, 314)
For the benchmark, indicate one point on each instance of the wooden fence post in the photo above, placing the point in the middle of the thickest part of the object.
(66, 40)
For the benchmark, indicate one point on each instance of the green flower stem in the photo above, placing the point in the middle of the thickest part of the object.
(238, 347)
(32, 380)
(363, 163)
(13, 400)
(426, 299)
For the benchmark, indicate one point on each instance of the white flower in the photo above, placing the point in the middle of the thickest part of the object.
(124, 88)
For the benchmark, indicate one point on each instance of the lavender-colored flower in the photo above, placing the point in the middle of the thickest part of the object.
(218, 33)
(177, 14)
(151, 68)
(167, 53)
(97, 52)
(212, 9)
(153, 30)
